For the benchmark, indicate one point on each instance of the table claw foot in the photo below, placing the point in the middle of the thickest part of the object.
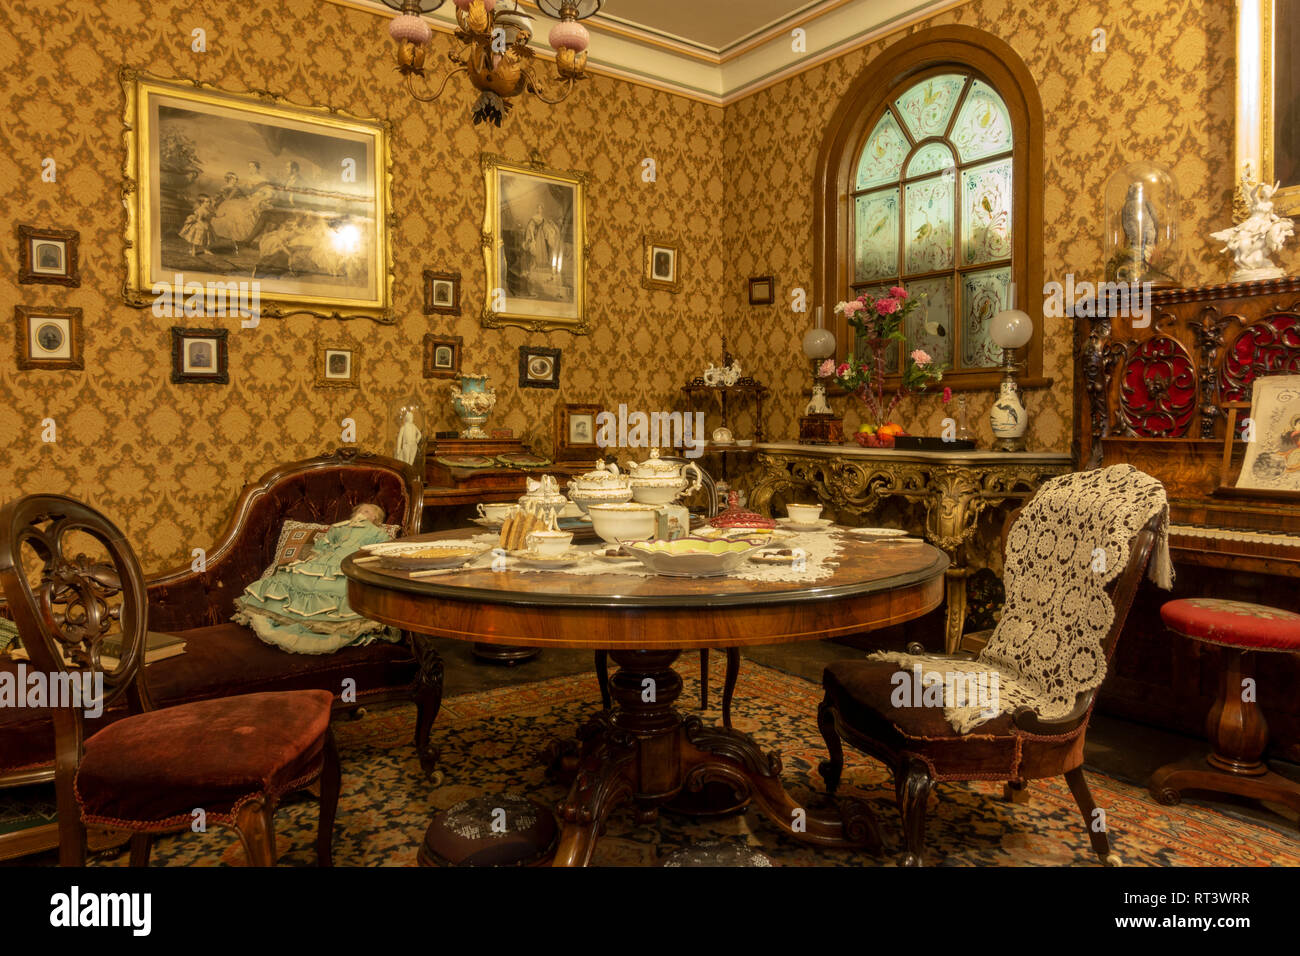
(604, 780)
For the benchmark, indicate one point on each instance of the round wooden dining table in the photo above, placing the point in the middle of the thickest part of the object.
(643, 751)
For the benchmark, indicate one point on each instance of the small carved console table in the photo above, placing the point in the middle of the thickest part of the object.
(951, 489)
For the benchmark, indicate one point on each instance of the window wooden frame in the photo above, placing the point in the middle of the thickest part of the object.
(959, 49)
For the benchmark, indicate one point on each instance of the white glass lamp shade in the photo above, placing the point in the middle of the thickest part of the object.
(1011, 329)
(819, 344)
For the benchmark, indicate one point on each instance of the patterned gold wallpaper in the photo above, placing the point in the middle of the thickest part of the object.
(166, 460)
(1162, 91)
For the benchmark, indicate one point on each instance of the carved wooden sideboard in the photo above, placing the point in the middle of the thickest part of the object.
(1153, 395)
(949, 493)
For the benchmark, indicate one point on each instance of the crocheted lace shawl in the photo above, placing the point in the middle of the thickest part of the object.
(1070, 541)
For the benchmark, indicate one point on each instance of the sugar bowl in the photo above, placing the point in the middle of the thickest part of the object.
(604, 485)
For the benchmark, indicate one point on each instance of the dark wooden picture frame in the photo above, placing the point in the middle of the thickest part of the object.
(29, 356)
(565, 449)
(324, 379)
(181, 338)
(762, 290)
(651, 278)
(431, 305)
(529, 369)
(432, 343)
(29, 269)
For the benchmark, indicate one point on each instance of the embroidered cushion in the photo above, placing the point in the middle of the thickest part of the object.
(1233, 623)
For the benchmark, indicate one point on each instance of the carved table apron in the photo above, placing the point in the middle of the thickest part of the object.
(953, 488)
(643, 751)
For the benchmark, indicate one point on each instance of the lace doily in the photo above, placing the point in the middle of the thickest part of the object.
(1068, 544)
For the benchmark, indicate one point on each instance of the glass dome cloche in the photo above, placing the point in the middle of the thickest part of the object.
(406, 428)
(1141, 242)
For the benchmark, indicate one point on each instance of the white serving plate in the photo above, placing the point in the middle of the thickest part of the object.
(566, 559)
(878, 532)
(789, 524)
(704, 563)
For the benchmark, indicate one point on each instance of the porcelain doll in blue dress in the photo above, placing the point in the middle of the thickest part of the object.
(303, 607)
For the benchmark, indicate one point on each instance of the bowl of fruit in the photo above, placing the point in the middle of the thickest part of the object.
(869, 436)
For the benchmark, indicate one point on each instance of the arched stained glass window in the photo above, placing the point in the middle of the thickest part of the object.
(932, 210)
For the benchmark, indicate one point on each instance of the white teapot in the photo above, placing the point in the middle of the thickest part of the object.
(604, 485)
(658, 482)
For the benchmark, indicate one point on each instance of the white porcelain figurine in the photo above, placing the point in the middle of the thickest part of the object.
(1256, 239)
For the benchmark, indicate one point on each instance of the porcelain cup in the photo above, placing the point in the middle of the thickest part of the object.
(550, 542)
(804, 514)
(496, 512)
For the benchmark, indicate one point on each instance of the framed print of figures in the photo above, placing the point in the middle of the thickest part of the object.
(661, 268)
(1272, 461)
(442, 356)
(338, 366)
(539, 367)
(762, 290)
(226, 190)
(199, 356)
(441, 293)
(48, 338)
(534, 246)
(575, 433)
(1268, 98)
(48, 256)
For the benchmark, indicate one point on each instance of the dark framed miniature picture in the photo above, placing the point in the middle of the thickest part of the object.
(441, 356)
(762, 290)
(48, 256)
(48, 337)
(199, 356)
(539, 367)
(441, 293)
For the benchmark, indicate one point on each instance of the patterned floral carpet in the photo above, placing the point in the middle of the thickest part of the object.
(490, 742)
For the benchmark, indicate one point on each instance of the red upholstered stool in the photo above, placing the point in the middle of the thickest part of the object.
(1236, 727)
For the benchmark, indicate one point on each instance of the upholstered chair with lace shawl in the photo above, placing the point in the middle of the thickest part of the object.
(1019, 710)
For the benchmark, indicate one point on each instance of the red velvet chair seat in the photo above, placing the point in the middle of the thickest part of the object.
(1251, 627)
(219, 661)
(159, 766)
(862, 692)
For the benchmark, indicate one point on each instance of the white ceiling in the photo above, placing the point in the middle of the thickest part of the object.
(715, 25)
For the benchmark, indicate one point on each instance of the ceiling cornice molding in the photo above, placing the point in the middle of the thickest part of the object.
(761, 59)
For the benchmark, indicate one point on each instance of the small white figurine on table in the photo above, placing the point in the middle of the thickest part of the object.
(1256, 239)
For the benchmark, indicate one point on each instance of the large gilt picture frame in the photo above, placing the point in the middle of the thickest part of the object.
(226, 188)
(1268, 97)
(534, 246)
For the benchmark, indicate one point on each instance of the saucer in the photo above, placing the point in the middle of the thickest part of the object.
(789, 524)
(878, 532)
(532, 559)
(488, 523)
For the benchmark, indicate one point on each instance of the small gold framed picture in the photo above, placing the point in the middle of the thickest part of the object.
(199, 356)
(48, 256)
(338, 366)
(48, 338)
(662, 265)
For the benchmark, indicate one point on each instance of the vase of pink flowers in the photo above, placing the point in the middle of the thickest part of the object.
(878, 322)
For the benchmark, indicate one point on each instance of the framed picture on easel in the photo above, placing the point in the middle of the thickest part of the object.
(1271, 432)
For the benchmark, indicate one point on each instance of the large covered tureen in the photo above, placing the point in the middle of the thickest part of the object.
(659, 482)
(604, 485)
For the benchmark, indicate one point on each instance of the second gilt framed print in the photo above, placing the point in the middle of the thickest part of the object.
(243, 193)
(534, 246)
(338, 366)
(661, 268)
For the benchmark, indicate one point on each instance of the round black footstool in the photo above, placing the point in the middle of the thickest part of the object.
(501, 829)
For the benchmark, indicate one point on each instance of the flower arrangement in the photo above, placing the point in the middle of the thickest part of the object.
(879, 325)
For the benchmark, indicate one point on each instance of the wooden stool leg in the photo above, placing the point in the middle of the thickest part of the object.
(1238, 735)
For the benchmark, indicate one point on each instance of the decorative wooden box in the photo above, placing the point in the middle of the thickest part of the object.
(821, 430)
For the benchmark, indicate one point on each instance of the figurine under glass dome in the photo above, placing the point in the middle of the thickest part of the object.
(1142, 226)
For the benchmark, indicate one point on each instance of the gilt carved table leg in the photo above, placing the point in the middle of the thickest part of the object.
(644, 753)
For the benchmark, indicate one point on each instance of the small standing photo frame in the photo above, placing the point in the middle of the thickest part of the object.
(338, 366)
(48, 256)
(199, 356)
(662, 265)
(442, 356)
(48, 338)
(441, 293)
(762, 290)
(575, 433)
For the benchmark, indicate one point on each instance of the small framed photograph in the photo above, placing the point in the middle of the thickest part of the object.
(199, 356)
(441, 293)
(48, 338)
(662, 267)
(338, 366)
(762, 290)
(441, 356)
(575, 433)
(539, 367)
(48, 256)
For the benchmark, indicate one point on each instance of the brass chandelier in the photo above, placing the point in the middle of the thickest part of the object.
(494, 52)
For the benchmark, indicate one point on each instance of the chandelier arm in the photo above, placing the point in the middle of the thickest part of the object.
(410, 86)
(539, 90)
